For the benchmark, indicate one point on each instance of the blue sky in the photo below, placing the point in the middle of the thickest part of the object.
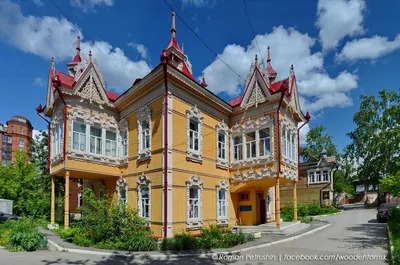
(340, 49)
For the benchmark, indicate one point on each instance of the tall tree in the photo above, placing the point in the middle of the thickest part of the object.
(376, 139)
(316, 141)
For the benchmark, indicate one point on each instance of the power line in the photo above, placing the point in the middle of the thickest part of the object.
(251, 26)
(76, 28)
(201, 40)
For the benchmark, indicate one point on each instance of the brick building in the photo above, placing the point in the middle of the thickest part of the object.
(15, 135)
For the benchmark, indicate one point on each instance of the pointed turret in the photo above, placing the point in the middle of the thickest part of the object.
(90, 57)
(173, 43)
(271, 72)
(256, 61)
(77, 59)
(203, 82)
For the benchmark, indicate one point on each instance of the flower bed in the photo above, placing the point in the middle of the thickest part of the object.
(212, 237)
(21, 235)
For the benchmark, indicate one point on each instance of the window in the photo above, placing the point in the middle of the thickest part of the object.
(237, 148)
(122, 196)
(57, 140)
(251, 145)
(284, 143)
(318, 176)
(144, 202)
(289, 147)
(264, 142)
(101, 195)
(311, 177)
(222, 203)
(194, 203)
(12, 128)
(222, 145)
(79, 136)
(325, 176)
(21, 145)
(95, 140)
(21, 130)
(111, 143)
(124, 143)
(244, 196)
(7, 139)
(194, 135)
(144, 135)
(294, 149)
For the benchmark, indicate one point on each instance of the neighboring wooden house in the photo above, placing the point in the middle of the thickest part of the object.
(361, 195)
(315, 184)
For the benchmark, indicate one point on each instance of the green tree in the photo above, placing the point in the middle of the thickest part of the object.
(316, 141)
(376, 139)
(391, 184)
(38, 149)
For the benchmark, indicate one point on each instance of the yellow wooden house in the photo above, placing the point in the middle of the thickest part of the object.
(171, 148)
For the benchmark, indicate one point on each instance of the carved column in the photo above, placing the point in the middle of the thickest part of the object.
(53, 191)
(278, 204)
(66, 198)
(295, 201)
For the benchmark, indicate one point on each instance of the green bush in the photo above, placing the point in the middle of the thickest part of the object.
(109, 224)
(21, 235)
(394, 224)
(304, 210)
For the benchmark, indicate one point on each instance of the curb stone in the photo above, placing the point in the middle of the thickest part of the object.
(55, 247)
(391, 247)
(325, 215)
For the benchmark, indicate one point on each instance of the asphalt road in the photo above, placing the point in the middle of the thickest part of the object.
(353, 234)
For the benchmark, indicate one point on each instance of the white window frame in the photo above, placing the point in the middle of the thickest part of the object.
(194, 223)
(124, 143)
(122, 185)
(21, 147)
(96, 138)
(250, 143)
(195, 115)
(268, 152)
(79, 136)
(111, 142)
(144, 182)
(312, 176)
(223, 219)
(237, 147)
(222, 128)
(289, 146)
(144, 114)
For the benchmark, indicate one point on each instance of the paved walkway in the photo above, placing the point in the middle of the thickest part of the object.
(353, 232)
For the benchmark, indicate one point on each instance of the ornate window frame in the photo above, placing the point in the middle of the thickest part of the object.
(143, 182)
(123, 128)
(222, 127)
(194, 223)
(194, 113)
(252, 126)
(223, 220)
(143, 114)
(290, 127)
(121, 185)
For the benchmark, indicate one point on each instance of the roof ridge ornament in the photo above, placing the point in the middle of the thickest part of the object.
(78, 45)
(203, 82)
(52, 67)
(90, 57)
(269, 55)
(256, 61)
(173, 29)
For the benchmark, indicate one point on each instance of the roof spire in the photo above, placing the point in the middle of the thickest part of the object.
(173, 30)
(78, 45)
(256, 61)
(90, 56)
(203, 82)
(183, 48)
(52, 63)
(269, 56)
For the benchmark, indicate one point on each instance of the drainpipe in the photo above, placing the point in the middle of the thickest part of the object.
(39, 111)
(308, 117)
(56, 82)
(164, 60)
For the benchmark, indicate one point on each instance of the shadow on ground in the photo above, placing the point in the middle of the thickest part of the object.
(368, 236)
(143, 259)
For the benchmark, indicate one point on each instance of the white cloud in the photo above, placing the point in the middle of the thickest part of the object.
(38, 3)
(288, 46)
(38, 81)
(49, 36)
(140, 48)
(303, 133)
(89, 5)
(199, 3)
(35, 133)
(337, 19)
(368, 48)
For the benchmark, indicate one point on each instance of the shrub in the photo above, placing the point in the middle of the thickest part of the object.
(21, 235)
(394, 224)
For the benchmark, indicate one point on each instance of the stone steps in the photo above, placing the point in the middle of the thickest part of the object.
(270, 228)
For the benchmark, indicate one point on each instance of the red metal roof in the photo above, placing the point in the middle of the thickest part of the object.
(270, 69)
(69, 82)
(236, 101)
(77, 59)
(174, 43)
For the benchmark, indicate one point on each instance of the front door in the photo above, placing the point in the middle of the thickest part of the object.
(263, 212)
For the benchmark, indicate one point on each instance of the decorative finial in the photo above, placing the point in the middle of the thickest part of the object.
(269, 55)
(173, 30)
(183, 48)
(78, 45)
(90, 56)
(292, 68)
(203, 81)
(256, 60)
(52, 62)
